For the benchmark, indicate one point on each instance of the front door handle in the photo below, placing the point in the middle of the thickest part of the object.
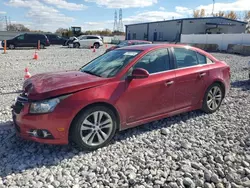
(169, 83)
(203, 74)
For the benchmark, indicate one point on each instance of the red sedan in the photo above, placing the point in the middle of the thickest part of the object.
(120, 89)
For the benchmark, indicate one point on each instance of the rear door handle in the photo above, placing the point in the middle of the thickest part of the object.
(169, 83)
(203, 74)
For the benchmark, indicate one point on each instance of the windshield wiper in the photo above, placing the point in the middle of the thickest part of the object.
(89, 72)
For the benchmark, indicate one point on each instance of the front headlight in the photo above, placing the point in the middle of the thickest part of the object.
(45, 106)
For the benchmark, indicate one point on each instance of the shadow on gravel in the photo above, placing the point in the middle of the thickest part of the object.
(243, 84)
(17, 155)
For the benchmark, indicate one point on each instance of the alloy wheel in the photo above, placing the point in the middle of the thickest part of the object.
(96, 128)
(214, 98)
(11, 46)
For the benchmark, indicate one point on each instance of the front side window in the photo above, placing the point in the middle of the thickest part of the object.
(110, 63)
(185, 57)
(20, 37)
(154, 62)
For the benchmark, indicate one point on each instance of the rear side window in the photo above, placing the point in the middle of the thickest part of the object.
(92, 37)
(185, 57)
(209, 61)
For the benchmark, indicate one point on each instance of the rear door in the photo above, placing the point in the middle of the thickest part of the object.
(191, 77)
(91, 40)
(32, 40)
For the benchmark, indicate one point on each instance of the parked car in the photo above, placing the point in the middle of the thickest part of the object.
(28, 40)
(70, 41)
(56, 39)
(128, 43)
(249, 69)
(120, 89)
(88, 41)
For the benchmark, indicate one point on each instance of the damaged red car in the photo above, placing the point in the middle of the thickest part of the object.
(120, 89)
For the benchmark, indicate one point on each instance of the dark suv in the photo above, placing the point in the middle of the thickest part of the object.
(56, 40)
(28, 40)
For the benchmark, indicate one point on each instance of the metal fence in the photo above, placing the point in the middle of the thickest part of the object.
(223, 40)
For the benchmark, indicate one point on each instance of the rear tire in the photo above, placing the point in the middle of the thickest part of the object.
(42, 46)
(96, 45)
(213, 98)
(93, 128)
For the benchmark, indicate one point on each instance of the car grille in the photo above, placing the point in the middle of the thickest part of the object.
(18, 106)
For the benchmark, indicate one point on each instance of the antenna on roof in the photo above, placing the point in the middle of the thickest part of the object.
(213, 7)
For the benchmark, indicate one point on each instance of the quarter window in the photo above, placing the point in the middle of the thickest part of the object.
(185, 57)
(209, 61)
(153, 62)
(202, 59)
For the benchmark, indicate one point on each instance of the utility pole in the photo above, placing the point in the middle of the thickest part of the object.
(213, 7)
(115, 22)
(6, 21)
(9, 21)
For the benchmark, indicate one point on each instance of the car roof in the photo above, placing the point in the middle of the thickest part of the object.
(138, 41)
(151, 46)
(147, 47)
(91, 35)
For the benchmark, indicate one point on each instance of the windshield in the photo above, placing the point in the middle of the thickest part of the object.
(110, 63)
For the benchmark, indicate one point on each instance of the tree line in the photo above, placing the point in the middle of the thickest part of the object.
(64, 31)
(226, 14)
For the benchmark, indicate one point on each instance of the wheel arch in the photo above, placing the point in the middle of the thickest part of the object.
(221, 83)
(108, 105)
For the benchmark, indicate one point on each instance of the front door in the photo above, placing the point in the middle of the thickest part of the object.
(153, 95)
(84, 42)
(21, 41)
(191, 78)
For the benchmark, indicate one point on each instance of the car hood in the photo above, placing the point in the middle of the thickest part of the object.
(46, 85)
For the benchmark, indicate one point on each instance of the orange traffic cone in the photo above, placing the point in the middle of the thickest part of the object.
(27, 74)
(35, 55)
(94, 49)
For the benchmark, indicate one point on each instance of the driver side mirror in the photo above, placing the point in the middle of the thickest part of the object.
(139, 73)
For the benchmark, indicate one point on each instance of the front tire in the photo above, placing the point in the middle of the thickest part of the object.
(76, 45)
(93, 128)
(213, 98)
(11, 46)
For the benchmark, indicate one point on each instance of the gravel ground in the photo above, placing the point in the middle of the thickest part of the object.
(189, 150)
